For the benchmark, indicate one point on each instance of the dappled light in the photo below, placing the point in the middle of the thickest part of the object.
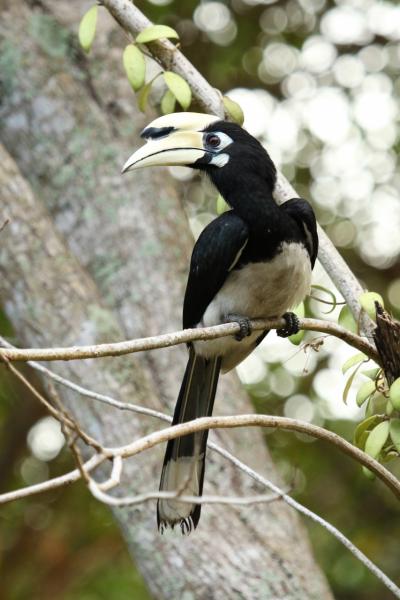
(318, 84)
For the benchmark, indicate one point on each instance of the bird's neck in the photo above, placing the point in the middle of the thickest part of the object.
(253, 202)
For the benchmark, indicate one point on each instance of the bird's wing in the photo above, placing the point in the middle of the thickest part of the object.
(301, 211)
(215, 254)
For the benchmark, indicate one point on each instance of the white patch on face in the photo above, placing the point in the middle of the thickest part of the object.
(219, 160)
(225, 139)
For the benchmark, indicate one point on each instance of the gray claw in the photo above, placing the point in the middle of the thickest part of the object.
(244, 324)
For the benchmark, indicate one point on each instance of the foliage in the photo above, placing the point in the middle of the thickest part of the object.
(323, 480)
(87, 28)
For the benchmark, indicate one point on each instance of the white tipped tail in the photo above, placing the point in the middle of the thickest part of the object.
(184, 462)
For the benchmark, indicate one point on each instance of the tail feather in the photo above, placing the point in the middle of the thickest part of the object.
(184, 461)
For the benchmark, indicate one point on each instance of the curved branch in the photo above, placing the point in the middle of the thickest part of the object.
(97, 459)
(51, 484)
(273, 422)
(203, 499)
(182, 337)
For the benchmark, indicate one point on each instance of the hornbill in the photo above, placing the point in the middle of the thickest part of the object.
(254, 260)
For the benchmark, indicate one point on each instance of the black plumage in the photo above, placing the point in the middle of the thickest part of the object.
(253, 261)
(253, 231)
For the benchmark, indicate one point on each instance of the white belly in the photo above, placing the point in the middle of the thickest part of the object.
(258, 290)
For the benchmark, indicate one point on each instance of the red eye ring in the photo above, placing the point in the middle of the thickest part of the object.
(213, 140)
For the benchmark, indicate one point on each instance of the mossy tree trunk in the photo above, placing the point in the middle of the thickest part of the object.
(89, 256)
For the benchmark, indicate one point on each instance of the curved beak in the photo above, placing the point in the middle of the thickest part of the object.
(180, 148)
(175, 139)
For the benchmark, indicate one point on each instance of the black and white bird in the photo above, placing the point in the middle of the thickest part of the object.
(252, 261)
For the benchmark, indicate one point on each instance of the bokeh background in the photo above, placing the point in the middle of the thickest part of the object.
(319, 84)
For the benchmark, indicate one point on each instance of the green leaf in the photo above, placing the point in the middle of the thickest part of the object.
(395, 432)
(297, 338)
(168, 103)
(389, 454)
(362, 430)
(353, 360)
(87, 28)
(368, 474)
(369, 409)
(377, 439)
(389, 408)
(365, 391)
(349, 382)
(300, 310)
(372, 373)
(134, 65)
(362, 439)
(379, 403)
(222, 206)
(394, 394)
(180, 89)
(346, 319)
(156, 32)
(367, 302)
(143, 96)
(233, 109)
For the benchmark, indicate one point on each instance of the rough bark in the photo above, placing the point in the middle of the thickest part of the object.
(387, 340)
(100, 259)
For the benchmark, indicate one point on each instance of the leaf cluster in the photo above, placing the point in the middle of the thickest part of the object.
(177, 90)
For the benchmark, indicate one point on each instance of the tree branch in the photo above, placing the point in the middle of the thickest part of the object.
(217, 422)
(133, 21)
(273, 422)
(182, 337)
(204, 499)
(117, 465)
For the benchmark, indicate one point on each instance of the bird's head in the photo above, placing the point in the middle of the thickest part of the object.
(222, 149)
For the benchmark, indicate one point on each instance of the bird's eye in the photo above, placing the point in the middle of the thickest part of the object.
(213, 140)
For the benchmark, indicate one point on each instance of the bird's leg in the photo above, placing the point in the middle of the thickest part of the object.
(291, 327)
(244, 324)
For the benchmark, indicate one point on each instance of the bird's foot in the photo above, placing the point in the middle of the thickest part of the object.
(244, 324)
(292, 325)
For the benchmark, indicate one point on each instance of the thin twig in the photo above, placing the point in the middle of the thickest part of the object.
(60, 415)
(317, 519)
(115, 477)
(96, 460)
(51, 484)
(53, 411)
(145, 497)
(183, 337)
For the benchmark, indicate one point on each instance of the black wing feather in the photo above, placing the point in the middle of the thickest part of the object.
(301, 211)
(213, 255)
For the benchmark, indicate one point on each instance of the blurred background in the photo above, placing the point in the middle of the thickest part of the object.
(319, 83)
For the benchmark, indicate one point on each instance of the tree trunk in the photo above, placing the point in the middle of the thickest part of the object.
(101, 259)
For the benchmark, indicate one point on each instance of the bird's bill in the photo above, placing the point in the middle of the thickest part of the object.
(175, 139)
(180, 148)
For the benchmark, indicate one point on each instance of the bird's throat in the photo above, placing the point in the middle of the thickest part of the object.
(252, 201)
